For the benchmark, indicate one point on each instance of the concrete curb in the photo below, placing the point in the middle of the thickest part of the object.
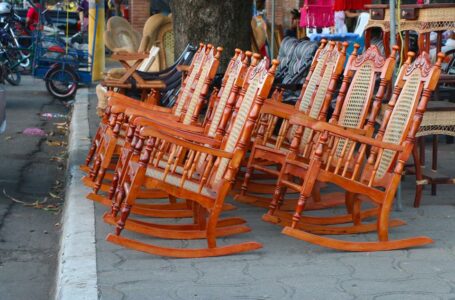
(76, 271)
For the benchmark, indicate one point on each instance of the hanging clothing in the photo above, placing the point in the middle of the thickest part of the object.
(350, 4)
(317, 14)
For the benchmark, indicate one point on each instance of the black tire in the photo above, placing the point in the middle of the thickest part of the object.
(62, 83)
(13, 77)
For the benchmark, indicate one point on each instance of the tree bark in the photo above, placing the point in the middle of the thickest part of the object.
(221, 23)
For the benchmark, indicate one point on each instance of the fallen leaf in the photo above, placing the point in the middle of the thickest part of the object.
(8, 138)
(54, 195)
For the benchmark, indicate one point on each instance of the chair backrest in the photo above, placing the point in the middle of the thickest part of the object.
(330, 72)
(354, 108)
(187, 84)
(235, 68)
(376, 165)
(308, 88)
(201, 85)
(166, 41)
(151, 29)
(147, 63)
(314, 75)
(413, 87)
(362, 72)
(120, 35)
(254, 92)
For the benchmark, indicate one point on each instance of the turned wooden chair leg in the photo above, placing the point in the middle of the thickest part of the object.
(434, 162)
(99, 179)
(277, 200)
(356, 209)
(91, 152)
(418, 174)
(114, 185)
(249, 171)
(95, 169)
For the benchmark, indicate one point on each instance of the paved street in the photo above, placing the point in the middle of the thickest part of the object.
(32, 168)
(291, 269)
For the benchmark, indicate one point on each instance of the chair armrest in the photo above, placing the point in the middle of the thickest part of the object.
(156, 112)
(179, 133)
(121, 102)
(278, 109)
(155, 132)
(355, 135)
(123, 55)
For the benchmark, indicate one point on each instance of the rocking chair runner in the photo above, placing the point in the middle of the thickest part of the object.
(211, 131)
(206, 190)
(189, 110)
(316, 94)
(354, 110)
(371, 167)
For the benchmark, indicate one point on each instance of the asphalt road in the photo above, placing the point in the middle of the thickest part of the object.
(31, 192)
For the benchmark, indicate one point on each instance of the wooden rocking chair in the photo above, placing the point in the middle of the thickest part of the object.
(185, 112)
(354, 110)
(207, 178)
(211, 131)
(314, 100)
(365, 166)
(205, 182)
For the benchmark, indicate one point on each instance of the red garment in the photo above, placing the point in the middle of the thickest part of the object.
(317, 13)
(33, 16)
(350, 4)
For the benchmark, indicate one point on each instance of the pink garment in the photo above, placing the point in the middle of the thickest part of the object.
(317, 13)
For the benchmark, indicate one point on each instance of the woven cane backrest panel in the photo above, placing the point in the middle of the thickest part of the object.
(198, 59)
(256, 80)
(399, 119)
(357, 99)
(314, 80)
(321, 92)
(168, 42)
(198, 89)
(233, 74)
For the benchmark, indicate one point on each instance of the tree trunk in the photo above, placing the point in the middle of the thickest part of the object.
(221, 23)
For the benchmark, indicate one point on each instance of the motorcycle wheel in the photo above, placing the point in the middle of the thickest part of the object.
(13, 76)
(61, 83)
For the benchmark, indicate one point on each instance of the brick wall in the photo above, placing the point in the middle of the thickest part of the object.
(282, 11)
(139, 13)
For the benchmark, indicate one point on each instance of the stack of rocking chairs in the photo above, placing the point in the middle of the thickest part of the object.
(145, 152)
(147, 161)
(342, 152)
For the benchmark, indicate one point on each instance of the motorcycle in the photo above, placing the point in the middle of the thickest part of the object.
(14, 26)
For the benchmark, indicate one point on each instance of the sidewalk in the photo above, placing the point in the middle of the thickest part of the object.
(287, 268)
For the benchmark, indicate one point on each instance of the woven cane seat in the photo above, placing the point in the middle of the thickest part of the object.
(174, 180)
